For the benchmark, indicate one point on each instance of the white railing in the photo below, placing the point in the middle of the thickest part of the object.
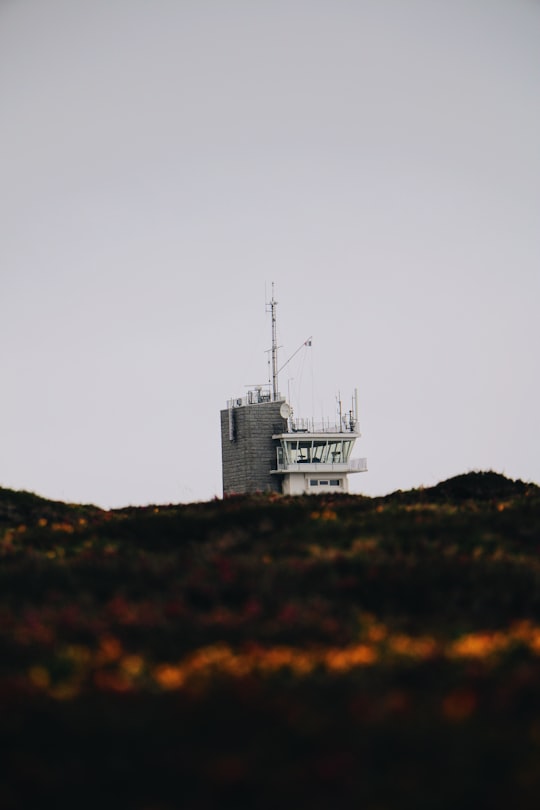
(358, 465)
(253, 397)
(323, 426)
(297, 426)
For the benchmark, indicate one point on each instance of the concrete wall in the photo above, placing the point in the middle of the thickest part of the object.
(295, 484)
(248, 459)
(298, 484)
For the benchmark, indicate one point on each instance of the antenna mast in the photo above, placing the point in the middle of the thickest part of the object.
(271, 307)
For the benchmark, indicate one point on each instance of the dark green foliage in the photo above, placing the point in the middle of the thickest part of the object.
(27, 509)
(85, 592)
(473, 486)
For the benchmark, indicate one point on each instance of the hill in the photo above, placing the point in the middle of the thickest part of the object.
(324, 651)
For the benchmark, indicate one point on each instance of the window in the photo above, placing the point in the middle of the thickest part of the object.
(316, 451)
(335, 482)
(313, 483)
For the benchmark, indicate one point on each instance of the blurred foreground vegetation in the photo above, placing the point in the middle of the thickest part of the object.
(267, 651)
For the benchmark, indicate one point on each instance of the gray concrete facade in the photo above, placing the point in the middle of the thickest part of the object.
(250, 454)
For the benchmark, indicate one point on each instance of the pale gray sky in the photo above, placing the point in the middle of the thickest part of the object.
(162, 160)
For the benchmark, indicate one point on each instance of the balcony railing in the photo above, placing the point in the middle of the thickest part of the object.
(354, 465)
(358, 465)
(347, 425)
(253, 397)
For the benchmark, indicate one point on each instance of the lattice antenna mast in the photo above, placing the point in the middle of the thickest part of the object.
(271, 307)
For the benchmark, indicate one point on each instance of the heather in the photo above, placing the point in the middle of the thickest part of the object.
(329, 651)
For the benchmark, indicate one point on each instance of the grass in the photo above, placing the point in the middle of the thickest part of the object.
(324, 651)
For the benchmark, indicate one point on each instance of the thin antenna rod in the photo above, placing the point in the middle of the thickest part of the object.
(305, 343)
(273, 306)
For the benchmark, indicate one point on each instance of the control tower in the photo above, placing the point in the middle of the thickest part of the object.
(265, 448)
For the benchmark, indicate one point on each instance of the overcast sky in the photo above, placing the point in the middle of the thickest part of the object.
(162, 161)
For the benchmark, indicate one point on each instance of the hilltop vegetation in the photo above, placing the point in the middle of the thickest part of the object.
(335, 651)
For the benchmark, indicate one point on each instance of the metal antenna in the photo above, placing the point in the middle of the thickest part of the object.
(271, 307)
(307, 342)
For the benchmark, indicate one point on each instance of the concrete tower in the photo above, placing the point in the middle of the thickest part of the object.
(264, 448)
